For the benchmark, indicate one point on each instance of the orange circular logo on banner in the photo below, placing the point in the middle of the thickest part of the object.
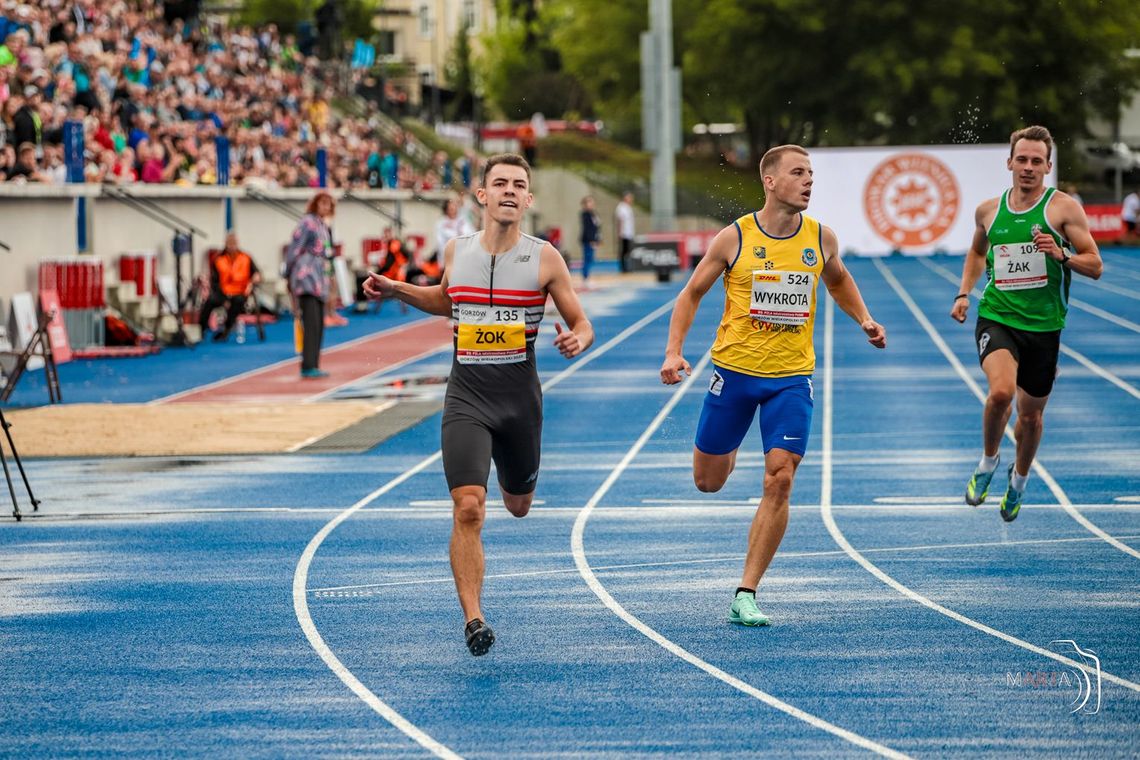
(911, 199)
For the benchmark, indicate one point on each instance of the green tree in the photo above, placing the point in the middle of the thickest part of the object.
(837, 72)
(968, 71)
(522, 70)
(598, 41)
(288, 14)
(461, 77)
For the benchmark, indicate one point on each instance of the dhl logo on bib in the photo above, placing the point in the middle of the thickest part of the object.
(495, 343)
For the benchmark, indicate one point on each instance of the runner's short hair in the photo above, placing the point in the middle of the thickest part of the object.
(510, 159)
(1039, 133)
(771, 160)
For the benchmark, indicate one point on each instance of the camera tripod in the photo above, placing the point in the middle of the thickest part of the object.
(8, 475)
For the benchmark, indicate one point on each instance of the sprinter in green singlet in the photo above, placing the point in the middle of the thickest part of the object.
(1030, 240)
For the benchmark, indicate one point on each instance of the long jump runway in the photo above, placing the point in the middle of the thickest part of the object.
(303, 606)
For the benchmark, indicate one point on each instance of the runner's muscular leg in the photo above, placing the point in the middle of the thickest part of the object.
(1028, 429)
(771, 518)
(518, 504)
(1001, 372)
(468, 512)
(710, 471)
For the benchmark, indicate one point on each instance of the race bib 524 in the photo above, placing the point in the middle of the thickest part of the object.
(781, 298)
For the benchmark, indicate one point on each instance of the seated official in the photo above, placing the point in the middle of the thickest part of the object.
(390, 261)
(429, 271)
(232, 277)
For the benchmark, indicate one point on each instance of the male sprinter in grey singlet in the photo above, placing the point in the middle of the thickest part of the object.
(494, 288)
(1029, 240)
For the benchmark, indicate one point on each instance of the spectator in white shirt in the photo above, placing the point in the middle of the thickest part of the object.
(1130, 215)
(626, 230)
(451, 225)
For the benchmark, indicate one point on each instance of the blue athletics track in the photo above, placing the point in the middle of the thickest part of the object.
(302, 605)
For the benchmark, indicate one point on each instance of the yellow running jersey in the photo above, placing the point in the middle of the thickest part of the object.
(769, 301)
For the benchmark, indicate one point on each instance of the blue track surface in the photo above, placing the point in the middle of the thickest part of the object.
(150, 608)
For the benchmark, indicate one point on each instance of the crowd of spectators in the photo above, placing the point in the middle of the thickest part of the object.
(153, 92)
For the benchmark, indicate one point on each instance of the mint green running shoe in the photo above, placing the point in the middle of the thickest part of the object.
(1011, 502)
(745, 611)
(979, 485)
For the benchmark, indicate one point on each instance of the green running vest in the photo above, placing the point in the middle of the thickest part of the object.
(1026, 289)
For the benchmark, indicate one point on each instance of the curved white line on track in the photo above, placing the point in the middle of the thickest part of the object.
(578, 549)
(301, 608)
(301, 574)
(841, 540)
(1046, 478)
(1088, 363)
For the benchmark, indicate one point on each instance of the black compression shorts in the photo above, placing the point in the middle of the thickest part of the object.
(1036, 353)
(509, 435)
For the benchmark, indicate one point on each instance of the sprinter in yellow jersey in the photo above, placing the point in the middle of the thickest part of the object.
(771, 261)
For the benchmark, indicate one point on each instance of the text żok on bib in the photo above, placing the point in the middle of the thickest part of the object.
(490, 335)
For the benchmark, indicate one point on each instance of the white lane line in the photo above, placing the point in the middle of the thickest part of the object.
(1125, 504)
(1054, 486)
(1072, 353)
(1127, 293)
(283, 362)
(1121, 504)
(301, 608)
(1115, 270)
(1096, 369)
(1107, 316)
(301, 574)
(583, 565)
(1119, 266)
(841, 540)
(714, 560)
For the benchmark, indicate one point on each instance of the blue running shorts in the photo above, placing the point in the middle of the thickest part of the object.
(785, 412)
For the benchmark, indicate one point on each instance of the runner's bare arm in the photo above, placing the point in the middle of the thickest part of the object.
(720, 255)
(975, 258)
(432, 299)
(841, 285)
(1074, 227)
(555, 280)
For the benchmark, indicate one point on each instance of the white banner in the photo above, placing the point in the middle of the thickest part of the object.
(915, 199)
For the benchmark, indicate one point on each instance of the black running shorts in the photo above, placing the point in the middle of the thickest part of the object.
(1036, 353)
(510, 434)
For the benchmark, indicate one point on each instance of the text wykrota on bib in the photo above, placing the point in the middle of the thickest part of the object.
(781, 298)
(490, 335)
(1019, 266)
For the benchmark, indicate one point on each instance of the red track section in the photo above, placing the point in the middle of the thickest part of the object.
(345, 364)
